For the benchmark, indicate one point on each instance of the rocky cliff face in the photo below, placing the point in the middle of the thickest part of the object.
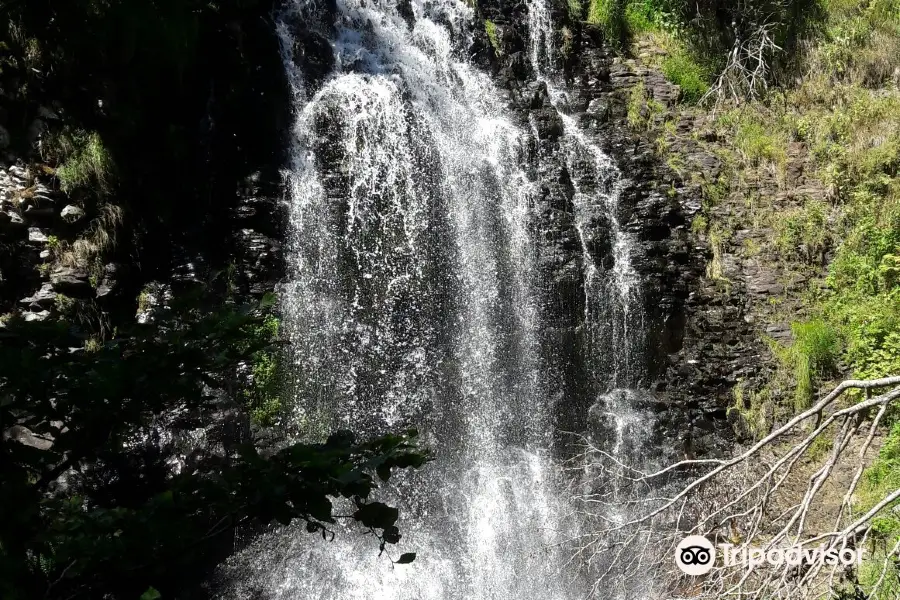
(221, 196)
(205, 212)
(699, 338)
(227, 214)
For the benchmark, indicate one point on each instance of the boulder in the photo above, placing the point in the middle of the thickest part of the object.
(17, 174)
(72, 282)
(37, 236)
(72, 214)
(27, 437)
(109, 283)
(43, 298)
(10, 219)
(37, 316)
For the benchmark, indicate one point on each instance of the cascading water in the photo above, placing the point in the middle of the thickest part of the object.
(413, 301)
(613, 320)
(612, 308)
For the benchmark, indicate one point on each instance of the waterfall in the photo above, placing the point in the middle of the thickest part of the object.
(412, 300)
(415, 298)
(614, 321)
(613, 311)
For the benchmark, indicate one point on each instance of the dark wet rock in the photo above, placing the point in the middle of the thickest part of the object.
(404, 7)
(26, 437)
(72, 282)
(313, 52)
(110, 282)
(43, 298)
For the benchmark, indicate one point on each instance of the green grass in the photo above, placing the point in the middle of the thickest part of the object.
(623, 20)
(637, 97)
(815, 352)
(803, 233)
(756, 407)
(758, 142)
(575, 9)
(693, 79)
(609, 16)
(87, 165)
(642, 111)
(812, 356)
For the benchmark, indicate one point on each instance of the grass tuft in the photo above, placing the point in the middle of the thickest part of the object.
(491, 29)
(88, 164)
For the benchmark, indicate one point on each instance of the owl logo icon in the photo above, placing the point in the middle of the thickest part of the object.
(695, 555)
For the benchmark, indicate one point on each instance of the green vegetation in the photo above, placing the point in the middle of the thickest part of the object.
(812, 356)
(803, 233)
(621, 20)
(711, 38)
(637, 98)
(841, 233)
(643, 111)
(64, 304)
(575, 9)
(87, 164)
(755, 140)
(491, 29)
(879, 480)
(125, 522)
(756, 408)
(714, 268)
(844, 114)
(680, 68)
(262, 396)
(609, 15)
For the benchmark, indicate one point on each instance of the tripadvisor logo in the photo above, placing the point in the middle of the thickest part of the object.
(695, 555)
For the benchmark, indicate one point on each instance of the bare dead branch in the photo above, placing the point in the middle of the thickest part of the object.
(766, 496)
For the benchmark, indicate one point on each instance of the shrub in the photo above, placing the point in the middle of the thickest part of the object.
(756, 408)
(644, 15)
(636, 99)
(759, 142)
(262, 397)
(712, 28)
(575, 9)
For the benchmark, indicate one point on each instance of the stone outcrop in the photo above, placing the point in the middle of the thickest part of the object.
(700, 337)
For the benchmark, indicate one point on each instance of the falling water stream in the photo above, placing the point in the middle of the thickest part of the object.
(413, 300)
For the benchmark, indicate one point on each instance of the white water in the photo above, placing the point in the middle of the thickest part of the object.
(612, 307)
(412, 300)
(614, 322)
